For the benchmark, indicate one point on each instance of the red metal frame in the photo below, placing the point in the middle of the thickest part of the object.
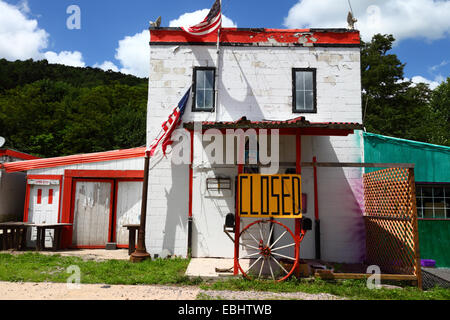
(69, 193)
(17, 154)
(27, 192)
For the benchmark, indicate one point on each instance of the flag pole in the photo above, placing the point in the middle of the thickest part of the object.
(141, 253)
(217, 63)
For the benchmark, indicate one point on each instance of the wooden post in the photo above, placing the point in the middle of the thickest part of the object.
(415, 227)
(141, 253)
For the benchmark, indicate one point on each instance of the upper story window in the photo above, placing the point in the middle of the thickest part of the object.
(304, 90)
(433, 201)
(203, 89)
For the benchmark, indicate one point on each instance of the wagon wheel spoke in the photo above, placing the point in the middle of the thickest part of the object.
(270, 234)
(283, 256)
(283, 247)
(279, 264)
(249, 246)
(279, 238)
(257, 242)
(253, 264)
(261, 269)
(250, 255)
(271, 270)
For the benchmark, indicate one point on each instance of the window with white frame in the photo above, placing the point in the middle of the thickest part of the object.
(433, 201)
(304, 90)
(203, 89)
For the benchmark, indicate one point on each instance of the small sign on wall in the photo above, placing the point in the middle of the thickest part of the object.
(36, 182)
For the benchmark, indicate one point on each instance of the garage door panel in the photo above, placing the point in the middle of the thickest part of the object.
(92, 212)
(129, 196)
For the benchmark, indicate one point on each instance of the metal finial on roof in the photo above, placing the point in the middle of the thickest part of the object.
(156, 24)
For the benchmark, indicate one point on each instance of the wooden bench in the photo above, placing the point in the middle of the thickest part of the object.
(132, 229)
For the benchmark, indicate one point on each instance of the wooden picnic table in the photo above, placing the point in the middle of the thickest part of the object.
(40, 239)
(13, 235)
(132, 228)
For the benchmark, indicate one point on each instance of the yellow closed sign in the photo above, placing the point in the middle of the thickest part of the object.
(277, 196)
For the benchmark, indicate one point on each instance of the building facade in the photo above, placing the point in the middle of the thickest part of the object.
(304, 83)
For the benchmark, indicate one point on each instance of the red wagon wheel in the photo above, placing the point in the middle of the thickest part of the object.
(263, 255)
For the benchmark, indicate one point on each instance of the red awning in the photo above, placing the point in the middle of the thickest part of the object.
(75, 159)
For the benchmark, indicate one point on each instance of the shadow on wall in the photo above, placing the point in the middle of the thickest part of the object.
(177, 197)
(340, 196)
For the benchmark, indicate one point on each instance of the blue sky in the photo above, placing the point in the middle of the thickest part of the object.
(114, 34)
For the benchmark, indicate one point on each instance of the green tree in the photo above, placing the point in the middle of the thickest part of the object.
(391, 105)
(440, 108)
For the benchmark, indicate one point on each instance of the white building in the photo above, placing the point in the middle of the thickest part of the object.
(268, 77)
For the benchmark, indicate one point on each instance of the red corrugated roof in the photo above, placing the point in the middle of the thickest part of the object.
(75, 159)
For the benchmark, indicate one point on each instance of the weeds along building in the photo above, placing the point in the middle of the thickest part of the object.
(304, 83)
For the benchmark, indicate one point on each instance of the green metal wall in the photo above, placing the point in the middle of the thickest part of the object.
(432, 161)
(432, 165)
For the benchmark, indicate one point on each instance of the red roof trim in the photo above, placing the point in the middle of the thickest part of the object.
(259, 36)
(17, 154)
(75, 159)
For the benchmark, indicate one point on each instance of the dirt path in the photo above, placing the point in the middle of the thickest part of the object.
(60, 291)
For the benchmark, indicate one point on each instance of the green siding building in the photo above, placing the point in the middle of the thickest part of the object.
(432, 175)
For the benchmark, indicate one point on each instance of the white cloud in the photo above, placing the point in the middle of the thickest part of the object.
(107, 65)
(134, 54)
(73, 59)
(403, 18)
(431, 83)
(193, 18)
(20, 37)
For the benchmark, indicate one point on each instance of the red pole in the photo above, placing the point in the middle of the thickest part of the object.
(237, 217)
(298, 222)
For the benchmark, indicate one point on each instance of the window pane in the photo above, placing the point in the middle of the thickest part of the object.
(428, 213)
(209, 98)
(200, 79)
(209, 79)
(438, 191)
(308, 80)
(299, 80)
(200, 99)
(419, 202)
(427, 191)
(300, 103)
(420, 212)
(447, 191)
(309, 100)
(439, 213)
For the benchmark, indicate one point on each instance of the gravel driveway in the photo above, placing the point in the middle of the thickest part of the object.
(60, 291)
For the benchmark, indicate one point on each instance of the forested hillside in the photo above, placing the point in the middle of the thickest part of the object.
(52, 110)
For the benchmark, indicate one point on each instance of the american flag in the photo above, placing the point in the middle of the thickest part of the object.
(168, 127)
(212, 21)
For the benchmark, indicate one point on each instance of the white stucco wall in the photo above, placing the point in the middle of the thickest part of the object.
(256, 82)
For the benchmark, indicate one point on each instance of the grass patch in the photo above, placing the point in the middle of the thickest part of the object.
(352, 289)
(33, 267)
